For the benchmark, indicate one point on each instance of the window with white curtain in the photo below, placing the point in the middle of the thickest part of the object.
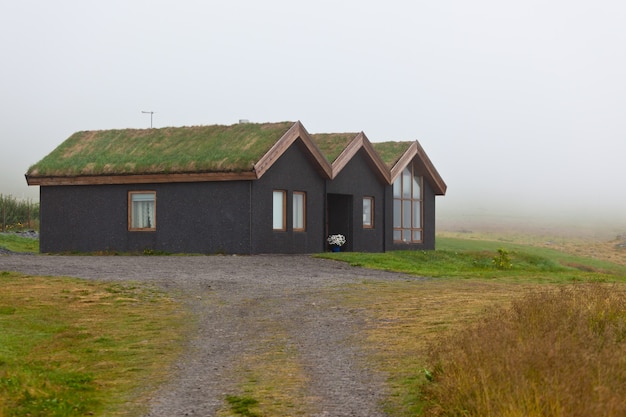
(407, 207)
(142, 210)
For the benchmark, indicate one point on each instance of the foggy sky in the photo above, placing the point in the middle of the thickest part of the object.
(520, 105)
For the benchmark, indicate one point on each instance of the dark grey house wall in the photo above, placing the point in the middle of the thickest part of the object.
(232, 216)
(357, 180)
(209, 217)
(81, 218)
(294, 171)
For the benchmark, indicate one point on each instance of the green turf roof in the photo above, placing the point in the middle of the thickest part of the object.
(214, 148)
(390, 152)
(332, 144)
(195, 149)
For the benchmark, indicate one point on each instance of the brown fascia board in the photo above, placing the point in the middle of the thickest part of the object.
(297, 131)
(416, 150)
(140, 179)
(361, 141)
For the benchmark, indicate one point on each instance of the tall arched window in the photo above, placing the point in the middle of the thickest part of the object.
(407, 207)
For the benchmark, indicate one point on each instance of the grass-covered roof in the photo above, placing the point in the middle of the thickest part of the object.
(215, 148)
(332, 144)
(390, 152)
(201, 153)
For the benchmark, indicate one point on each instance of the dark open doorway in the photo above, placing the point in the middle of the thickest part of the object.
(339, 217)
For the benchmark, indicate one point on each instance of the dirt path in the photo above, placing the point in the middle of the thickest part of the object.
(240, 300)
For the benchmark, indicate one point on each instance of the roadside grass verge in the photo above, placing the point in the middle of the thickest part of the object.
(70, 347)
(17, 243)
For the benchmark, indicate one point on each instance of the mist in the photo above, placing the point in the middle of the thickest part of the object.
(519, 106)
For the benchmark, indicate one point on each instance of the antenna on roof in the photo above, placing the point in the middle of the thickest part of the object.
(151, 113)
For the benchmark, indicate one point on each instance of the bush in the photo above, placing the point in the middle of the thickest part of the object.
(502, 260)
(18, 215)
(553, 353)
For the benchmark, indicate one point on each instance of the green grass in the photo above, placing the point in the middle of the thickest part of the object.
(458, 258)
(17, 243)
(241, 406)
(390, 152)
(214, 148)
(73, 348)
(332, 144)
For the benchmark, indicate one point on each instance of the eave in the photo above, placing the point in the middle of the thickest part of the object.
(141, 179)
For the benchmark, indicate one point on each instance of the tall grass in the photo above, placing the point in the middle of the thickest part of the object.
(16, 215)
(552, 353)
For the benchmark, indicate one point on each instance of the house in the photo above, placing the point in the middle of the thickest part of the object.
(242, 189)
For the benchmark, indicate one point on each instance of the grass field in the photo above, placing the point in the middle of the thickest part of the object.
(457, 328)
(71, 348)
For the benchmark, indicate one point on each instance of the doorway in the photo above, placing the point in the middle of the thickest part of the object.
(339, 217)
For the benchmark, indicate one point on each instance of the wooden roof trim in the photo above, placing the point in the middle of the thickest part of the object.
(416, 150)
(403, 161)
(141, 179)
(297, 131)
(346, 155)
(361, 141)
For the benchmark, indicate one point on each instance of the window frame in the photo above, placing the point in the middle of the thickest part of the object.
(283, 209)
(401, 203)
(296, 212)
(370, 224)
(153, 227)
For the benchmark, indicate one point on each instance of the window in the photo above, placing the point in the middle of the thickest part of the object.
(279, 210)
(407, 207)
(368, 212)
(299, 211)
(142, 210)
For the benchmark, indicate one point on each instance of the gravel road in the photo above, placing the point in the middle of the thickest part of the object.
(235, 298)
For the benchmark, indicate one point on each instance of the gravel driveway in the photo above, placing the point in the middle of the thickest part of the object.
(234, 298)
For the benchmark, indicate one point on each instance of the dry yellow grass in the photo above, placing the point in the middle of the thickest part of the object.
(604, 247)
(405, 318)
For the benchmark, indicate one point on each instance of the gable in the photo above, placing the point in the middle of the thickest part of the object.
(398, 155)
(296, 132)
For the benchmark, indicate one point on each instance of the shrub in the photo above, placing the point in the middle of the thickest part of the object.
(502, 260)
(552, 353)
(18, 215)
